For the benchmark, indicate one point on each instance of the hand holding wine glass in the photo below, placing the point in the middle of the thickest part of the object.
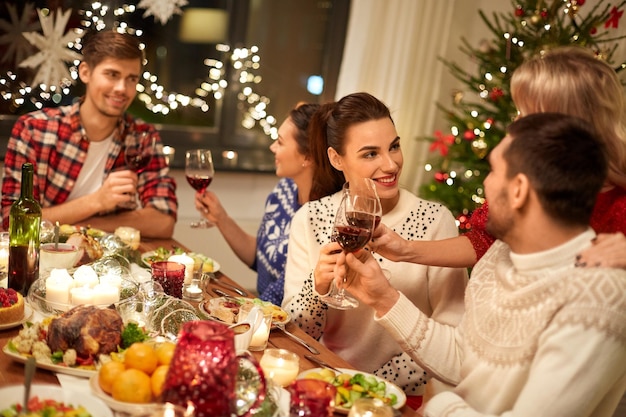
(199, 172)
(354, 224)
(139, 148)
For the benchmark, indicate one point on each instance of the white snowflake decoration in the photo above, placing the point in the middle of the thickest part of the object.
(53, 49)
(18, 45)
(162, 10)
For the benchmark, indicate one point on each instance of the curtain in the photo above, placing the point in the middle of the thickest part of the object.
(391, 51)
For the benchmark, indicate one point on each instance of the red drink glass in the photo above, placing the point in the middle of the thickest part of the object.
(204, 372)
(171, 276)
(311, 397)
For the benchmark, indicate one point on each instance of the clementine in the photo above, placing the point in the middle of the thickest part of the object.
(109, 373)
(132, 386)
(141, 356)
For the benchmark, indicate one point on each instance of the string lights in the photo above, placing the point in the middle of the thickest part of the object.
(243, 62)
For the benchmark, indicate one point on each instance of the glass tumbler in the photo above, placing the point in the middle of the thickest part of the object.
(171, 276)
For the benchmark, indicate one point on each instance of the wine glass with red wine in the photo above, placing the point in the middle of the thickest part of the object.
(199, 172)
(355, 221)
(139, 148)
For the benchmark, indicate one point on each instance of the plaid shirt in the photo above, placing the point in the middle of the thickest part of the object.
(55, 142)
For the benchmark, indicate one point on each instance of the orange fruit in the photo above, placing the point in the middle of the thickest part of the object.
(109, 373)
(141, 356)
(132, 386)
(157, 380)
(165, 352)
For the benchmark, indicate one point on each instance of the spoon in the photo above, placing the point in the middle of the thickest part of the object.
(28, 379)
(56, 236)
(239, 328)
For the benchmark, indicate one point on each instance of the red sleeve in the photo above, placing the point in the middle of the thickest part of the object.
(479, 237)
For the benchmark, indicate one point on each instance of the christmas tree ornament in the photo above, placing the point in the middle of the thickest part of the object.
(18, 48)
(480, 148)
(53, 49)
(162, 10)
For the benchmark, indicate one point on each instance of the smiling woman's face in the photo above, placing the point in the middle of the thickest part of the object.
(372, 150)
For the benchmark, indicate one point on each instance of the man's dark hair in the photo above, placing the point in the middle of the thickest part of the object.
(564, 161)
(98, 46)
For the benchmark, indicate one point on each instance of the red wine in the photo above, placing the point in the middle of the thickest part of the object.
(137, 161)
(352, 238)
(199, 183)
(23, 268)
(361, 219)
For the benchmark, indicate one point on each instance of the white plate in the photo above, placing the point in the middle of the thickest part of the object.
(130, 408)
(391, 388)
(145, 255)
(28, 313)
(62, 369)
(12, 394)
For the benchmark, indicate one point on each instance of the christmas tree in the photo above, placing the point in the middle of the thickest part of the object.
(479, 116)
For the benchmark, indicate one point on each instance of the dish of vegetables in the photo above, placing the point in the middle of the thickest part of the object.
(352, 385)
(162, 254)
(51, 400)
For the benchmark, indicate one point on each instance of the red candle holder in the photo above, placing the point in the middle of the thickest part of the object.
(171, 276)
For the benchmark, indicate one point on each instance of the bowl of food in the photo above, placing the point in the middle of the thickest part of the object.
(51, 399)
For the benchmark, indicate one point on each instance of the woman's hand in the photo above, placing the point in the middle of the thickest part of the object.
(325, 269)
(388, 243)
(209, 206)
(608, 250)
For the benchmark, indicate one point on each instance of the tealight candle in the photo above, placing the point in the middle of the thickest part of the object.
(189, 263)
(82, 295)
(58, 286)
(280, 365)
(106, 294)
(112, 281)
(85, 276)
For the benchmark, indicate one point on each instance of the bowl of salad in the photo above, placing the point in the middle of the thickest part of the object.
(46, 400)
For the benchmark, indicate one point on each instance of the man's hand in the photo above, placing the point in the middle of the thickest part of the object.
(366, 281)
(608, 250)
(118, 187)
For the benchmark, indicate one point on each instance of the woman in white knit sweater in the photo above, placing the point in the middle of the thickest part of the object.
(357, 136)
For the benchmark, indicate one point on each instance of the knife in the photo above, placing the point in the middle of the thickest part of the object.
(217, 281)
(322, 363)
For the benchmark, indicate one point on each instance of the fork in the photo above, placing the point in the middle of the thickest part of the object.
(281, 327)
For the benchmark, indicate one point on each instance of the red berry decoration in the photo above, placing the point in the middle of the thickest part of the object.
(8, 297)
(519, 12)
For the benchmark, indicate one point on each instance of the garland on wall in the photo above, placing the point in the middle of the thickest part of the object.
(51, 50)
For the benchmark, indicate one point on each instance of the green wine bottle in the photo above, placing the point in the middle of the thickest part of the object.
(24, 227)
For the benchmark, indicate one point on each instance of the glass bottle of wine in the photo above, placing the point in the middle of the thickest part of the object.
(24, 228)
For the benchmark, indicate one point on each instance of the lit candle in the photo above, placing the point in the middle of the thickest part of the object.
(58, 286)
(4, 258)
(280, 365)
(262, 333)
(112, 281)
(85, 276)
(189, 263)
(82, 295)
(106, 294)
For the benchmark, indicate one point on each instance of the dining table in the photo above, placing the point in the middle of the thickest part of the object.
(12, 372)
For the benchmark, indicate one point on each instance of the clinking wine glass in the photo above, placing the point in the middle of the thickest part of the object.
(139, 149)
(199, 172)
(354, 224)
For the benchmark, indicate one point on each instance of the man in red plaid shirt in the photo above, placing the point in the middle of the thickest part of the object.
(81, 176)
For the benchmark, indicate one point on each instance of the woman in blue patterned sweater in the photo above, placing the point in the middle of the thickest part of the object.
(266, 253)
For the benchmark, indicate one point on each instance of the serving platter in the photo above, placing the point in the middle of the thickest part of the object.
(391, 388)
(148, 257)
(279, 316)
(28, 313)
(62, 369)
(13, 394)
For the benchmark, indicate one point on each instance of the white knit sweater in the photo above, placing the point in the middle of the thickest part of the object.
(539, 337)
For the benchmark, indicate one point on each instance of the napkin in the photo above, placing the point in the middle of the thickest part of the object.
(74, 383)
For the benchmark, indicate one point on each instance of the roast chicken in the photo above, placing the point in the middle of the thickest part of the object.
(89, 330)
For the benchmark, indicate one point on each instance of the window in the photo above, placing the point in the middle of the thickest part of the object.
(296, 40)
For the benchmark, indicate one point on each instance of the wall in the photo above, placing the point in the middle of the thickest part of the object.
(243, 196)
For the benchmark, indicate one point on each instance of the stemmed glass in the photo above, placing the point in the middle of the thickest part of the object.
(139, 149)
(354, 224)
(199, 172)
